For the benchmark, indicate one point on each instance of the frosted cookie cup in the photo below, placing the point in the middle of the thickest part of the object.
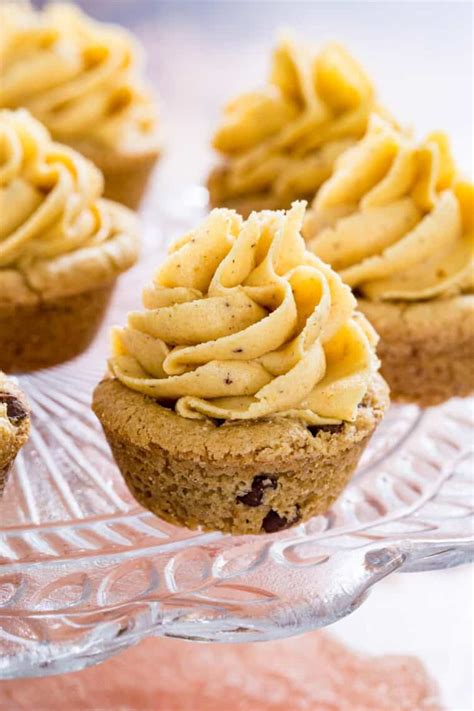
(280, 143)
(61, 247)
(242, 397)
(397, 224)
(83, 80)
(14, 425)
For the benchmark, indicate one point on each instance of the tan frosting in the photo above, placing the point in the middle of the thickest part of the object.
(79, 77)
(284, 138)
(394, 220)
(57, 236)
(242, 322)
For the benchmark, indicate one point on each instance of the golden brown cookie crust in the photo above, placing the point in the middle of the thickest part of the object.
(426, 348)
(15, 434)
(126, 175)
(48, 332)
(246, 477)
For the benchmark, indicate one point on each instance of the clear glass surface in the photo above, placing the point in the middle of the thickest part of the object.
(85, 572)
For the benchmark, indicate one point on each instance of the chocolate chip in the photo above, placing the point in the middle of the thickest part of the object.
(3, 473)
(314, 429)
(254, 497)
(273, 522)
(16, 411)
(167, 404)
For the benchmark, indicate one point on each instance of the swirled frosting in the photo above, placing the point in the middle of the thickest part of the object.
(284, 139)
(79, 77)
(394, 220)
(57, 235)
(242, 322)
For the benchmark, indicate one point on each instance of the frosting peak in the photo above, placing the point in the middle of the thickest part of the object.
(79, 77)
(394, 220)
(242, 322)
(284, 139)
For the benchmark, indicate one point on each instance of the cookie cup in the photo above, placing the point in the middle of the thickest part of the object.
(51, 310)
(244, 204)
(14, 426)
(241, 477)
(426, 348)
(126, 173)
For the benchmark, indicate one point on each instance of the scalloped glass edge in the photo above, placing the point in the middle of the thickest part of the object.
(84, 608)
(95, 573)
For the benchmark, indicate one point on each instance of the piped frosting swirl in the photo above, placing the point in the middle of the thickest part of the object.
(79, 77)
(394, 220)
(283, 140)
(57, 236)
(242, 322)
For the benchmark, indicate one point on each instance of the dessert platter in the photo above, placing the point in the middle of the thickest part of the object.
(220, 459)
(86, 572)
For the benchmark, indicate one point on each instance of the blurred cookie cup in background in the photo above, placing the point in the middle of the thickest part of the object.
(243, 395)
(83, 80)
(396, 221)
(14, 425)
(279, 143)
(62, 246)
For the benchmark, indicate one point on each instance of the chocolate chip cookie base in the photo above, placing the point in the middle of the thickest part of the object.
(426, 348)
(12, 438)
(49, 332)
(247, 477)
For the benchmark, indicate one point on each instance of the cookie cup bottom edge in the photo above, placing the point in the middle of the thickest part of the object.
(240, 478)
(50, 332)
(426, 348)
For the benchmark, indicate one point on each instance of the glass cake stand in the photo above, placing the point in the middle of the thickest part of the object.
(86, 572)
